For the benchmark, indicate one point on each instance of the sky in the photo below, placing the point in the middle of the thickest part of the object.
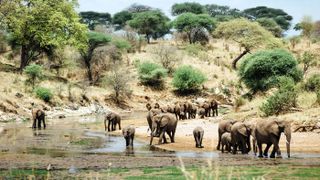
(296, 8)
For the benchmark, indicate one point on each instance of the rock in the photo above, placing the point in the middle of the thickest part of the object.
(19, 95)
(61, 116)
(73, 170)
(49, 167)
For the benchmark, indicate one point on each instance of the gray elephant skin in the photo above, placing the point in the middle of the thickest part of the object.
(224, 126)
(113, 119)
(226, 142)
(240, 136)
(128, 134)
(161, 124)
(38, 115)
(198, 133)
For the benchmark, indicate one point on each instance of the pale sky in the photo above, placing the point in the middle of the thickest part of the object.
(296, 8)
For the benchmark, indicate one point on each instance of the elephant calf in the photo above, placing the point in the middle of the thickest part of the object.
(128, 134)
(224, 126)
(38, 115)
(226, 142)
(198, 136)
(113, 119)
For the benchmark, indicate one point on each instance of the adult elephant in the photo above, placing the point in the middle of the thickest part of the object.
(268, 131)
(151, 113)
(224, 126)
(128, 134)
(240, 136)
(38, 115)
(213, 107)
(191, 109)
(161, 124)
(113, 119)
(198, 133)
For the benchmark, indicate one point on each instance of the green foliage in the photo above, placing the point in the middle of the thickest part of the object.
(43, 93)
(270, 25)
(122, 44)
(151, 23)
(194, 49)
(138, 8)
(261, 70)
(188, 79)
(248, 34)
(282, 100)
(313, 83)
(308, 59)
(121, 18)
(151, 74)
(187, 7)
(318, 97)
(278, 15)
(34, 73)
(306, 25)
(92, 18)
(222, 12)
(294, 40)
(39, 25)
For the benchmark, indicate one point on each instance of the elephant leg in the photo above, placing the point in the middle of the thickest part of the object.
(34, 124)
(248, 144)
(219, 141)
(44, 123)
(127, 141)
(260, 149)
(132, 137)
(164, 138)
(119, 125)
(196, 139)
(265, 153)
(222, 148)
(244, 146)
(201, 138)
(109, 124)
(173, 134)
(216, 111)
(161, 137)
(275, 148)
(39, 123)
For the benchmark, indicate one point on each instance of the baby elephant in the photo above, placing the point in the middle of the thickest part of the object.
(226, 142)
(198, 136)
(113, 119)
(38, 115)
(128, 134)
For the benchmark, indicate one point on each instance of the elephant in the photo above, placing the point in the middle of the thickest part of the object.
(167, 109)
(268, 132)
(213, 107)
(177, 111)
(161, 124)
(152, 112)
(149, 106)
(224, 126)
(128, 134)
(202, 112)
(198, 136)
(191, 109)
(38, 115)
(113, 119)
(206, 107)
(226, 142)
(240, 136)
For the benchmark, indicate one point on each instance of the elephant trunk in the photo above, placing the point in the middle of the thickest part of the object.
(288, 140)
(151, 139)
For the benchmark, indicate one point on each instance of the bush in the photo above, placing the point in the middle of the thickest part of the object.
(313, 83)
(151, 74)
(168, 56)
(187, 78)
(282, 100)
(122, 44)
(34, 73)
(43, 93)
(194, 49)
(261, 71)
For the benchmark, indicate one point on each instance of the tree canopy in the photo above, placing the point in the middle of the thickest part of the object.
(187, 7)
(249, 35)
(121, 18)
(92, 18)
(282, 18)
(270, 25)
(186, 22)
(151, 23)
(222, 13)
(38, 26)
(137, 8)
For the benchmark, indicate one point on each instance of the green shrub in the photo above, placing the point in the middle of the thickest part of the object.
(187, 78)
(313, 83)
(282, 100)
(122, 44)
(194, 49)
(43, 93)
(318, 97)
(34, 73)
(261, 71)
(151, 74)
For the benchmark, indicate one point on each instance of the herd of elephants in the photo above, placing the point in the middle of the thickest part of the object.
(233, 135)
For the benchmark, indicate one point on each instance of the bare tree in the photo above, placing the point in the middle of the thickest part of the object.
(168, 56)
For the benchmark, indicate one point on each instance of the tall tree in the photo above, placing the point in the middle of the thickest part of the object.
(186, 22)
(282, 18)
(187, 7)
(121, 18)
(306, 25)
(95, 40)
(271, 25)
(38, 25)
(249, 35)
(92, 18)
(222, 12)
(150, 23)
(137, 8)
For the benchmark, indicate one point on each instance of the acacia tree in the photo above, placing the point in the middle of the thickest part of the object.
(271, 25)
(222, 13)
(249, 35)
(186, 22)
(121, 18)
(37, 25)
(150, 23)
(306, 25)
(187, 7)
(95, 40)
(92, 18)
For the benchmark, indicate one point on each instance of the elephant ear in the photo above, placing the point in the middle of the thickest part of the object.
(39, 112)
(274, 128)
(243, 130)
(164, 121)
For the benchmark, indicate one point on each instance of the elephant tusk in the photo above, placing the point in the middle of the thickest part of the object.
(287, 142)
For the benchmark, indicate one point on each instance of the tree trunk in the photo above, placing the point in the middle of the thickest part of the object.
(24, 58)
(148, 38)
(234, 62)
(189, 37)
(87, 62)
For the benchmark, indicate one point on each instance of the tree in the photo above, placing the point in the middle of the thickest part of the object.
(151, 23)
(95, 40)
(271, 25)
(137, 8)
(92, 18)
(249, 35)
(34, 73)
(37, 26)
(186, 22)
(306, 25)
(308, 59)
(282, 18)
(316, 30)
(187, 7)
(262, 70)
(121, 18)
(222, 12)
